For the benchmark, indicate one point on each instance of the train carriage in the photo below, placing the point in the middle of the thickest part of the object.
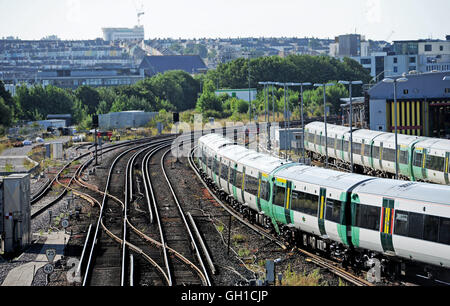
(411, 220)
(431, 160)
(318, 200)
(391, 219)
(363, 141)
(383, 153)
(213, 141)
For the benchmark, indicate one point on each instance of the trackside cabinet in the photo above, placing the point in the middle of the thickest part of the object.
(15, 212)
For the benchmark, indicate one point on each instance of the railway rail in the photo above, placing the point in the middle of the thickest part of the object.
(134, 241)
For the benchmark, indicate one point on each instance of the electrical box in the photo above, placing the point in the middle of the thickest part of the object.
(15, 212)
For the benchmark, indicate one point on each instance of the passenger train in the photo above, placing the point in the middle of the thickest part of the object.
(419, 158)
(406, 225)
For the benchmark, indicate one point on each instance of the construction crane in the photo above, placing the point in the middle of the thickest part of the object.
(139, 11)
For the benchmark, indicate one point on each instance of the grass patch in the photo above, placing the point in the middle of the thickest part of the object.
(238, 238)
(292, 278)
(9, 167)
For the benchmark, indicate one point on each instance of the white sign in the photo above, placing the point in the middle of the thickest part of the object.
(48, 269)
(50, 253)
(65, 223)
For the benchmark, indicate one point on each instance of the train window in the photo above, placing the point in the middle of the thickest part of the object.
(345, 146)
(431, 228)
(251, 185)
(339, 144)
(401, 223)
(333, 211)
(367, 217)
(404, 158)
(435, 163)
(415, 228)
(216, 166)
(367, 148)
(265, 190)
(389, 154)
(279, 195)
(376, 152)
(304, 202)
(356, 148)
(232, 176)
(239, 177)
(444, 230)
(417, 159)
(330, 143)
(224, 172)
(209, 162)
(311, 137)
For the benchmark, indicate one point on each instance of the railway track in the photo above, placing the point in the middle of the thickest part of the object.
(127, 239)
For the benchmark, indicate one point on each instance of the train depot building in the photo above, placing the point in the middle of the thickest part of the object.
(423, 105)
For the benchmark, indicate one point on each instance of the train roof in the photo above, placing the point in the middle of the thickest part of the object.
(434, 143)
(421, 192)
(401, 138)
(367, 133)
(263, 162)
(215, 141)
(320, 176)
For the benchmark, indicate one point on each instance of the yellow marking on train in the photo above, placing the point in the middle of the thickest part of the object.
(288, 196)
(321, 207)
(423, 159)
(280, 180)
(259, 189)
(265, 175)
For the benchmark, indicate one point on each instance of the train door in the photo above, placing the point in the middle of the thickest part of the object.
(380, 158)
(387, 224)
(219, 170)
(233, 175)
(229, 189)
(281, 200)
(322, 203)
(264, 192)
(243, 185)
(363, 148)
(403, 160)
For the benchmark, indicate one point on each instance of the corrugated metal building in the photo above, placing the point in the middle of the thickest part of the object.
(122, 120)
(423, 105)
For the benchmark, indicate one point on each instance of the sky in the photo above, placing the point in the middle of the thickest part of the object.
(83, 19)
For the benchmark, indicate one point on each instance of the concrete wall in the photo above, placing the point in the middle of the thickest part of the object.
(125, 120)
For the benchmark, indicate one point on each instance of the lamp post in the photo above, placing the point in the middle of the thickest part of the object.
(325, 117)
(285, 126)
(249, 94)
(350, 83)
(395, 81)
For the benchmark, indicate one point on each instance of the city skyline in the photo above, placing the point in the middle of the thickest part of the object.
(83, 19)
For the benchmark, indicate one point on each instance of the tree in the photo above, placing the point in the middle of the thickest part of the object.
(89, 97)
(5, 113)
